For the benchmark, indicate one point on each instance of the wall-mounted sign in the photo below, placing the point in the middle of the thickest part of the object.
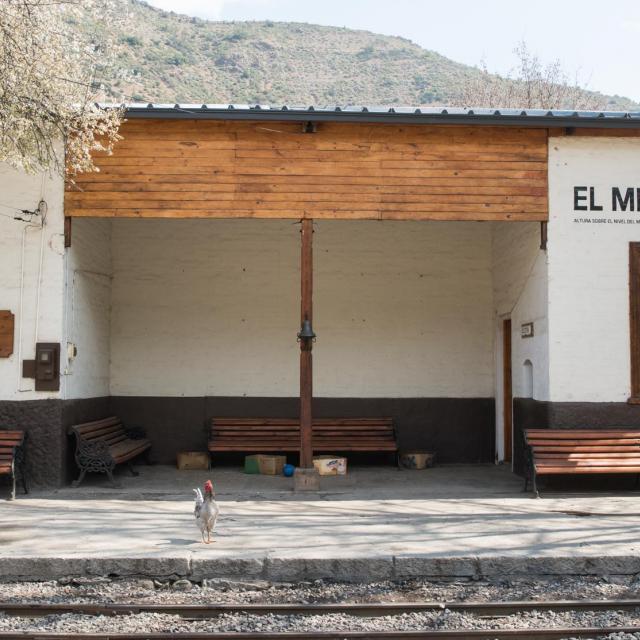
(606, 205)
(526, 330)
(619, 199)
(6, 333)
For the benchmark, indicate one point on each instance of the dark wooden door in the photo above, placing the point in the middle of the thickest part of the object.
(634, 318)
(507, 403)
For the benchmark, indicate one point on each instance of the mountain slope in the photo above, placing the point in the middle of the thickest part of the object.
(165, 57)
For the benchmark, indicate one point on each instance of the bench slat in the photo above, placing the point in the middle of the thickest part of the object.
(586, 456)
(581, 441)
(587, 433)
(610, 469)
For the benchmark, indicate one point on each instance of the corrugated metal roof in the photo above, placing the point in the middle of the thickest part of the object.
(376, 113)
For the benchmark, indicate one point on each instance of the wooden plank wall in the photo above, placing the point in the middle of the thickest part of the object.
(226, 169)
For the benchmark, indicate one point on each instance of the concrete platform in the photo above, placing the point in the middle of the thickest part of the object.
(375, 523)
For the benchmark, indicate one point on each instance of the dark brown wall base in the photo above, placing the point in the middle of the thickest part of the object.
(458, 429)
(42, 419)
(49, 450)
(534, 414)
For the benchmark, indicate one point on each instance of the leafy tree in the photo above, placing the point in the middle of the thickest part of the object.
(49, 83)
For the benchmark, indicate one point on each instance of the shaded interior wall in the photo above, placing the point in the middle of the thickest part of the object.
(519, 270)
(88, 309)
(204, 317)
(211, 308)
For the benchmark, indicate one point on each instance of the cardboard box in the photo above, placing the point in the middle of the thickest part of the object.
(330, 465)
(271, 465)
(416, 459)
(192, 460)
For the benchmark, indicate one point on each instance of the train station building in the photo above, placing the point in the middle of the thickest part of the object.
(475, 273)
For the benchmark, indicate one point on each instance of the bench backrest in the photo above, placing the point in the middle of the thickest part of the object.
(289, 428)
(9, 440)
(109, 429)
(563, 441)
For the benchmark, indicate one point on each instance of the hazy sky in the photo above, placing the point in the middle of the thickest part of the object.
(599, 41)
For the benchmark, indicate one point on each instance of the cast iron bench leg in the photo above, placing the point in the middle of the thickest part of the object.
(76, 483)
(21, 458)
(536, 493)
(12, 492)
(133, 472)
(109, 472)
(25, 484)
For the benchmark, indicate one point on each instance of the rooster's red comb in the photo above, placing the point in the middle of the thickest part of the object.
(208, 485)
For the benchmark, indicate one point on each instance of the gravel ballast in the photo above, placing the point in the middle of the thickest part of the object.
(105, 591)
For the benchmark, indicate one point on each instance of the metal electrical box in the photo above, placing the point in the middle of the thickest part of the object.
(45, 368)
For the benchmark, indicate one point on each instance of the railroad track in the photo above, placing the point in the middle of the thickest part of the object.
(367, 609)
(198, 612)
(474, 634)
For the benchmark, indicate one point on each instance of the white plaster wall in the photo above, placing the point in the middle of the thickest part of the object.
(403, 309)
(520, 292)
(519, 269)
(588, 270)
(88, 308)
(204, 307)
(22, 191)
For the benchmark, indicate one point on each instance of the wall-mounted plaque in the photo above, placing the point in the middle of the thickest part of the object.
(6, 333)
(526, 330)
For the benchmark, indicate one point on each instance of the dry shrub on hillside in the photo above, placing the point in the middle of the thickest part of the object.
(49, 81)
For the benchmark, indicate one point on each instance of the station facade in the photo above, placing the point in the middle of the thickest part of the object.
(474, 275)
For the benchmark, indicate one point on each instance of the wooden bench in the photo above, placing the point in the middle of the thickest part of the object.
(561, 451)
(12, 458)
(102, 444)
(330, 435)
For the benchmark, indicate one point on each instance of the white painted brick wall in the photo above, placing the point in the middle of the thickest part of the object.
(519, 270)
(88, 308)
(520, 292)
(588, 270)
(212, 308)
(24, 192)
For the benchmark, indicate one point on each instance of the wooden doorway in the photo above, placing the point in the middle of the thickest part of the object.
(507, 391)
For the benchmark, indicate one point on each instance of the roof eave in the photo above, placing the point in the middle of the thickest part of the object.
(619, 120)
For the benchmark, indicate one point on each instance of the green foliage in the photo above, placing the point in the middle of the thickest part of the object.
(131, 41)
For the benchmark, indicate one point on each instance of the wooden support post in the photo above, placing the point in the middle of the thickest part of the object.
(306, 478)
(67, 232)
(306, 345)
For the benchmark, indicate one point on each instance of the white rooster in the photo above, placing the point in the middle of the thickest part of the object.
(206, 511)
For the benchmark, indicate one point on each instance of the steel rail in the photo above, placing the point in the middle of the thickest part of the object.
(462, 634)
(354, 609)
